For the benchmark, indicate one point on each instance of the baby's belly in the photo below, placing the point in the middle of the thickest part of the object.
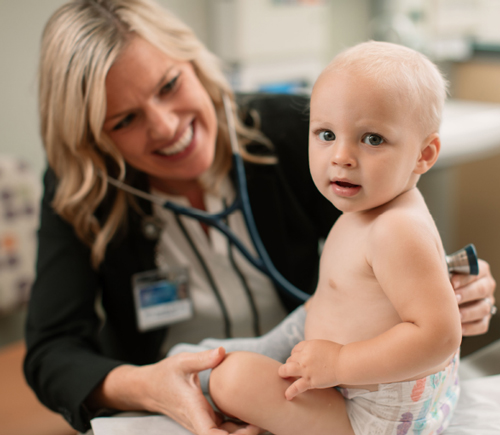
(349, 323)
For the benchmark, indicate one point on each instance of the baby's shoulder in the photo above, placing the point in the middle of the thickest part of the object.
(403, 223)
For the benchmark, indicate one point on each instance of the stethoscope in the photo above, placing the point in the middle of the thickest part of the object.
(462, 261)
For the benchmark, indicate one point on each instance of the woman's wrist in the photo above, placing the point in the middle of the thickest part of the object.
(123, 389)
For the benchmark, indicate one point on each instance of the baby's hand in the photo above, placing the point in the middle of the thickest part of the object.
(314, 363)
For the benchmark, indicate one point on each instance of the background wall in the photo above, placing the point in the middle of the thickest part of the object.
(21, 25)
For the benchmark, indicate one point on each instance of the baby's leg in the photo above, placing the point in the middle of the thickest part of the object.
(247, 386)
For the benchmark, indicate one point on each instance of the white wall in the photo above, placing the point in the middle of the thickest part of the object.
(21, 24)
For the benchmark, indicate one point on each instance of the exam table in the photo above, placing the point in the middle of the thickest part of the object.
(477, 412)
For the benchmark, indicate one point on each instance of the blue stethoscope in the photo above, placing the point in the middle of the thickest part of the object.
(463, 261)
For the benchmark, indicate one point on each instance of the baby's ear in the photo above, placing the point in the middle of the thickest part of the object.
(428, 154)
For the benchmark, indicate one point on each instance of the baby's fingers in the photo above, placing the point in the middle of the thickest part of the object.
(289, 370)
(299, 386)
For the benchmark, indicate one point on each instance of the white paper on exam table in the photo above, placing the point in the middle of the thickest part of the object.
(477, 413)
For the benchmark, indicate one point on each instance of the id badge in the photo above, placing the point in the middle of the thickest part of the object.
(161, 298)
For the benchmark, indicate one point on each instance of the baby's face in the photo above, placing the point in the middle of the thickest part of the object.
(363, 143)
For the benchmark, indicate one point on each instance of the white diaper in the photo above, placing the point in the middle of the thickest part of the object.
(421, 407)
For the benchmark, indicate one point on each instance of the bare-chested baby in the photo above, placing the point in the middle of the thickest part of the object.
(383, 326)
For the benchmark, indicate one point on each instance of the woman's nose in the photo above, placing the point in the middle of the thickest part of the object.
(162, 123)
(343, 155)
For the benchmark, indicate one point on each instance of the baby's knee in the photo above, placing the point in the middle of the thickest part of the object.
(234, 379)
(231, 374)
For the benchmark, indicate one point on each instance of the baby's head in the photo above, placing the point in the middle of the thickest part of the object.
(375, 116)
(405, 74)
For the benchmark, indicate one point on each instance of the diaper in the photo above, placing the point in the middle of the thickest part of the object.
(421, 407)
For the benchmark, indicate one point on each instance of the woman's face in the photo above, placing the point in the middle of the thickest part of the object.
(159, 116)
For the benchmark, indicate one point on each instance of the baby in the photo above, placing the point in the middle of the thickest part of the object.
(383, 326)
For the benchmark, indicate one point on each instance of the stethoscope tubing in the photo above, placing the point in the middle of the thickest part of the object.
(261, 261)
(242, 202)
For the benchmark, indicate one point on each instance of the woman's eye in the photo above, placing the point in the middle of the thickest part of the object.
(170, 85)
(327, 135)
(373, 139)
(125, 122)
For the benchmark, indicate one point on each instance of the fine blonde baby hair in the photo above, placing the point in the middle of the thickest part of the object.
(410, 75)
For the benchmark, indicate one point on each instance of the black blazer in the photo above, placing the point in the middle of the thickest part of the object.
(71, 349)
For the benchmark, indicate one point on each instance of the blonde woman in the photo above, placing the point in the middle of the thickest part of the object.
(127, 91)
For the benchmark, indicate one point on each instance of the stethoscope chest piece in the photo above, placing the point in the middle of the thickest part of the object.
(463, 261)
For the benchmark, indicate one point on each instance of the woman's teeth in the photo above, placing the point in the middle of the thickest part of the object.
(180, 145)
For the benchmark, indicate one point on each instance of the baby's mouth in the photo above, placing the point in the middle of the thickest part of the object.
(180, 145)
(345, 184)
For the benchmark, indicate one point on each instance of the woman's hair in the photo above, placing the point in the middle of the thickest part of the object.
(400, 70)
(80, 43)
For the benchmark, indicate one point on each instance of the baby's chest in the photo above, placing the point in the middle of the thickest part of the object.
(345, 256)
(349, 303)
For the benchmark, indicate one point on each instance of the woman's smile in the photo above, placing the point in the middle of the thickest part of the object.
(180, 145)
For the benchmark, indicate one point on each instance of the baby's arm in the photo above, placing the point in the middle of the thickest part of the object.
(408, 263)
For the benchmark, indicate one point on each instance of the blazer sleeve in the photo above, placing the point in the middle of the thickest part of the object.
(290, 213)
(64, 362)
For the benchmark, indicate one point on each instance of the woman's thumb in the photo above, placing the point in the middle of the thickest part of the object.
(208, 359)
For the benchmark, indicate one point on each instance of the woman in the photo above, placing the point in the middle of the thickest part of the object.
(128, 92)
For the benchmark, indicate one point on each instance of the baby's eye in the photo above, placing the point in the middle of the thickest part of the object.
(373, 139)
(327, 135)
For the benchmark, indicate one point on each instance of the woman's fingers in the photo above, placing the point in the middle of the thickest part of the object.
(474, 287)
(475, 296)
(197, 362)
(476, 328)
(476, 316)
(206, 423)
(173, 390)
(241, 429)
(475, 311)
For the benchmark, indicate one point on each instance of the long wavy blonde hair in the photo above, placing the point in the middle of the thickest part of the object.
(80, 43)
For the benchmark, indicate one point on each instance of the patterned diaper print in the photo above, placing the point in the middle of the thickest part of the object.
(421, 407)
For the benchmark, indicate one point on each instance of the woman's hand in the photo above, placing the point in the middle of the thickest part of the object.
(475, 296)
(241, 429)
(174, 390)
(170, 387)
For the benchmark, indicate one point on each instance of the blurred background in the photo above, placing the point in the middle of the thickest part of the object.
(268, 46)
(281, 46)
